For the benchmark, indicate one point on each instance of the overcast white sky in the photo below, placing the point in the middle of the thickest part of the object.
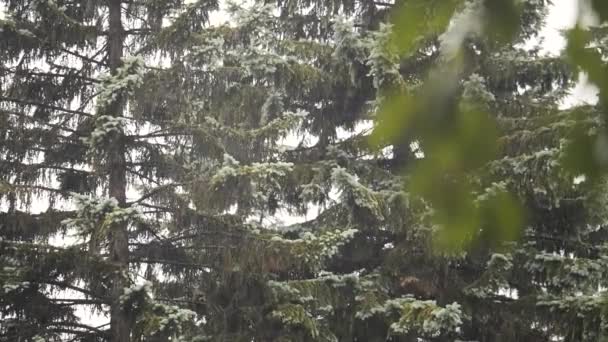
(562, 16)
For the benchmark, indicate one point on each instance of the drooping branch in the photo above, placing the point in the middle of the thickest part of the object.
(44, 105)
(155, 191)
(71, 301)
(65, 285)
(40, 188)
(40, 166)
(171, 262)
(89, 328)
(41, 121)
(85, 58)
(22, 72)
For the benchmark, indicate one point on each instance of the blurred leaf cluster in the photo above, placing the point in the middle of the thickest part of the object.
(587, 152)
(457, 131)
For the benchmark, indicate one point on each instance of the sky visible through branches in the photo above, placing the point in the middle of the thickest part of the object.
(562, 16)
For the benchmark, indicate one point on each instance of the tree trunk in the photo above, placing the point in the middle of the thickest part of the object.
(120, 321)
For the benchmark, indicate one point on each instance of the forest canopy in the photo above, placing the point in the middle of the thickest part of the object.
(300, 170)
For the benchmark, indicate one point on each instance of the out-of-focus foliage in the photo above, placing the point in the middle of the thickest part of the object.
(588, 148)
(453, 123)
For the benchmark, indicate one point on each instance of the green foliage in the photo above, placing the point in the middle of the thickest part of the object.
(468, 218)
(585, 154)
(414, 20)
(454, 127)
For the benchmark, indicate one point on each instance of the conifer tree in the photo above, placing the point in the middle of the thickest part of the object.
(157, 143)
(76, 141)
(391, 279)
(141, 129)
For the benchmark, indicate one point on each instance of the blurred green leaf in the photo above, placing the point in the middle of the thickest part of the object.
(416, 19)
(503, 217)
(394, 117)
(588, 60)
(586, 154)
(458, 137)
(451, 199)
(587, 151)
(477, 138)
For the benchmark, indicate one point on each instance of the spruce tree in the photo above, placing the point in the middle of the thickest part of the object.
(518, 270)
(102, 102)
(80, 132)
(142, 130)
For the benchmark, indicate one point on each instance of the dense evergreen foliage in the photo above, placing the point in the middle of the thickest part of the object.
(146, 168)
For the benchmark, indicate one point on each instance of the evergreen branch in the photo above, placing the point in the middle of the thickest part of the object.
(152, 212)
(68, 286)
(151, 144)
(158, 207)
(41, 121)
(177, 300)
(22, 72)
(34, 329)
(566, 241)
(23, 134)
(155, 191)
(39, 187)
(159, 134)
(78, 337)
(150, 163)
(39, 215)
(80, 334)
(42, 166)
(201, 234)
(85, 58)
(70, 302)
(170, 262)
(32, 244)
(138, 31)
(37, 149)
(134, 15)
(142, 246)
(41, 104)
(142, 176)
(79, 325)
(195, 234)
(316, 152)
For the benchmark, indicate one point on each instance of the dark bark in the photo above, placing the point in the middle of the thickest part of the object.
(120, 320)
